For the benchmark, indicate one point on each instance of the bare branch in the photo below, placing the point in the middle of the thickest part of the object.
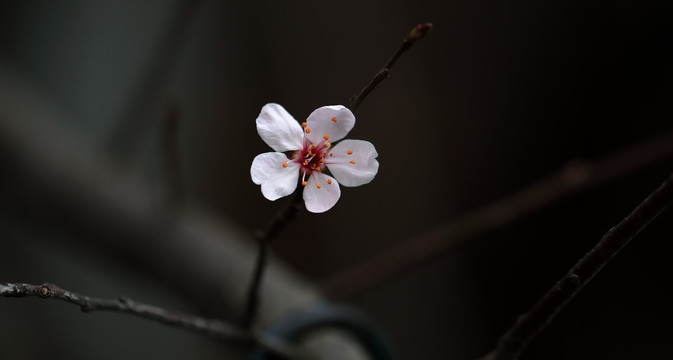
(530, 324)
(573, 179)
(211, 327)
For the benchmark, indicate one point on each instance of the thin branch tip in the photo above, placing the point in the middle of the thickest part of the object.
(415, 34)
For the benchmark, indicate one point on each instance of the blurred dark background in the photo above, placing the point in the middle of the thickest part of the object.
(497, 97)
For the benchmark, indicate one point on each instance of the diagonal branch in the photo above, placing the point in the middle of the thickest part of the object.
(530, 324)
(211, 327)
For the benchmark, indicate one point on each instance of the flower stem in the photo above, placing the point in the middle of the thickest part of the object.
(273, 228)
(415, 34)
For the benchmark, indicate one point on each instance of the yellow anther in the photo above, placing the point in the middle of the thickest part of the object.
(318, 185)
(322, 160)
(328, 144)
(312, 146)
(352, 162)
(308, 131)
(334, 119)
(305, 162)
(326, 137)
(304, 124)
(350, 152)
(304, 183)
(285, 164)
(329, 181)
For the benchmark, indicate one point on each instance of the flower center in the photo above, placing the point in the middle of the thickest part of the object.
(312, 157)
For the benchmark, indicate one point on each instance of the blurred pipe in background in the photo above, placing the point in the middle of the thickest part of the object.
(53, 178)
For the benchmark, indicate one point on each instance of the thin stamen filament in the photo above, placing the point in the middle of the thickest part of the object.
(303, 178)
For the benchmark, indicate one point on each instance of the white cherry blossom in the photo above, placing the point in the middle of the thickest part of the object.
(311, 152)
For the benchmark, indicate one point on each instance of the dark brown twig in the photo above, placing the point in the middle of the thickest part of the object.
(573, 179)
(275, 226)
(416, 33)
(214, 328)
(530, 324)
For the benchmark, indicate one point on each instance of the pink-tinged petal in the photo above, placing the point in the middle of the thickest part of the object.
(322, 198)
(279, 129)
(335, 121)
(277, 180)
(354, 169)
